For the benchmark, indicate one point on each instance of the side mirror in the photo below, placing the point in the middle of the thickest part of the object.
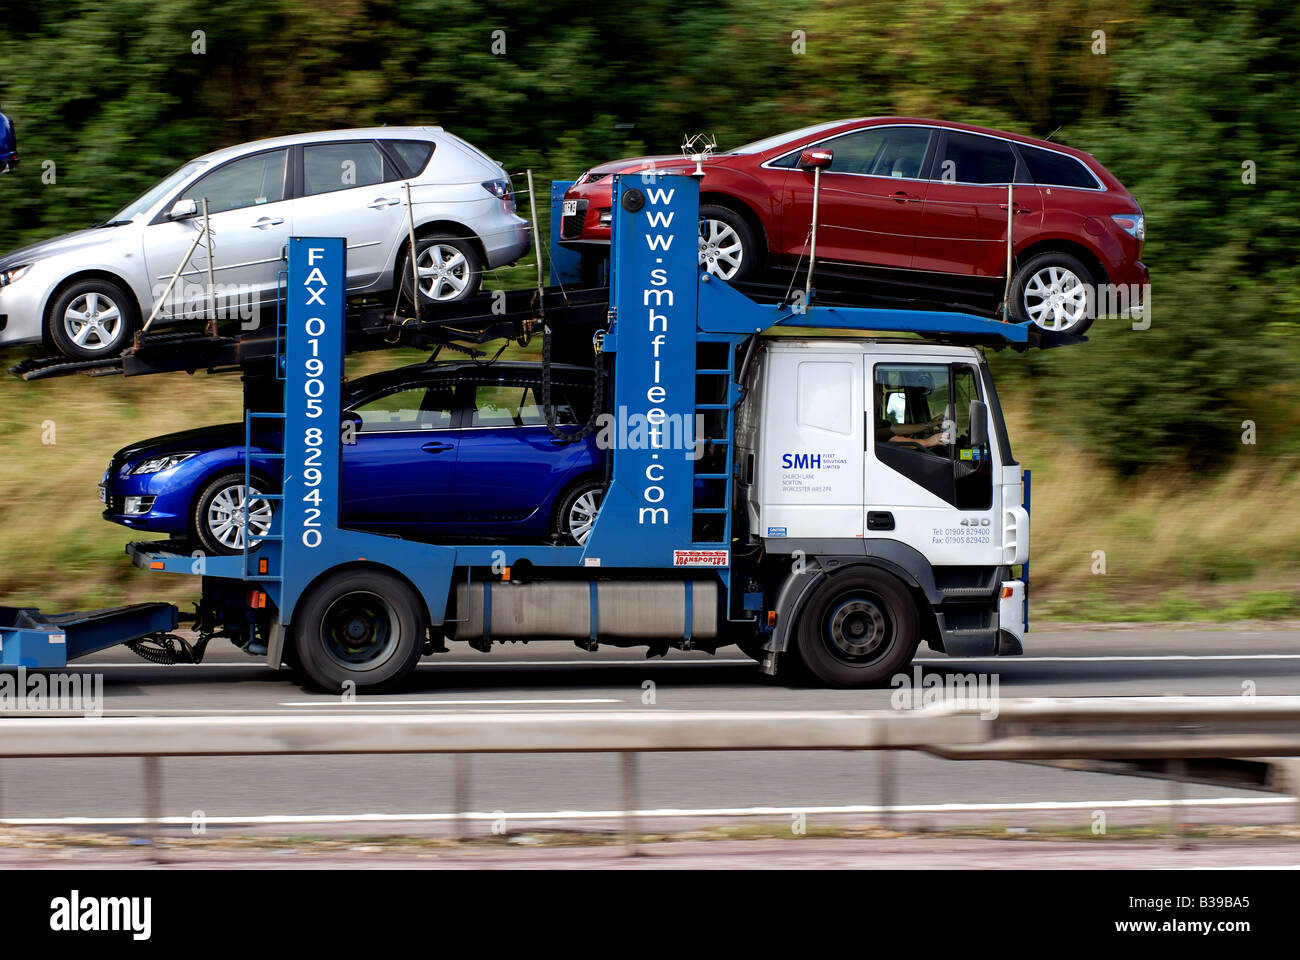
(815, 157)
(979, 423)
(183, 209)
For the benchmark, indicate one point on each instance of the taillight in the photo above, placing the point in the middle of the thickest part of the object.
(1134, 224)
(502, 191)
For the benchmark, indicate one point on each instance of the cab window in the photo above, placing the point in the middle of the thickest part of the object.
(923, 430)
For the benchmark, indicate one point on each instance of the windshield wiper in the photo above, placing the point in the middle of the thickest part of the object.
(114, 223)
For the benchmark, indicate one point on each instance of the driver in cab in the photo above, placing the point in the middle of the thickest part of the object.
(914, 434)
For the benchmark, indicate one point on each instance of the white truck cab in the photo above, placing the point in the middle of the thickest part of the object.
(890, 454)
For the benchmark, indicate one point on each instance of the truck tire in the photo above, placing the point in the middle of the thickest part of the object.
(857, 629)
(361, 626)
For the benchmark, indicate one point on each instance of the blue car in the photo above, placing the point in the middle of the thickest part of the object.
(8, 145)
(443, 451)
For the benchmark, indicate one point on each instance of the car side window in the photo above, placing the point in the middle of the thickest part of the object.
(327, 167)
(246, 182)
(968, 158)
(409, 408)
(501, 405)
(414, 154)
(1051, 169)
(856, 152)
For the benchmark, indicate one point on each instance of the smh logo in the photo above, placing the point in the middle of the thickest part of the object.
(801, 461)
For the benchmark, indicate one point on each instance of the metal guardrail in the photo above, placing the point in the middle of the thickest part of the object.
(1169, 728)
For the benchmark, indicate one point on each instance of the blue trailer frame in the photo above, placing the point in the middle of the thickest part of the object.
(671, 329)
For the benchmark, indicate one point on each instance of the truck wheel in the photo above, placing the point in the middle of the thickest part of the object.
(363, 626)
(858, 629)
(450, 269)
(92, 319)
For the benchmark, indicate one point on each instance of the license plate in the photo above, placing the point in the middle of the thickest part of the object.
(570, 208)
(103, 494)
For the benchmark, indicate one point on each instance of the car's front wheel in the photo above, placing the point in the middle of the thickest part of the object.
(449, 268)
(218, 524)
(1055, 291)
(92, 319)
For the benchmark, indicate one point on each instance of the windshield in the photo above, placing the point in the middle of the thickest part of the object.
(758, 146)
(141, 204)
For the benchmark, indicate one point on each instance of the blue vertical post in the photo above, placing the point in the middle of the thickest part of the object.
(653, 295)
(566, 264)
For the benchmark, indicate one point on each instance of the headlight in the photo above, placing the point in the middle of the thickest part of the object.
(159, 464)
(1134, 224)
(13, 273)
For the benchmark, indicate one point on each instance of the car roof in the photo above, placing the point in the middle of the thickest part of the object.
(835, 127)
(354, 133)
(568, 374)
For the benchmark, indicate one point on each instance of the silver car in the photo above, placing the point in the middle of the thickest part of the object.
(85, 293)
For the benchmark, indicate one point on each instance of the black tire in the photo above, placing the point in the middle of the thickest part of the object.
(1030, 298)
(858, 629)
(429, 251)
(105, 332)
(570, 509)
(226, 490)
(359, 626)
(750, 255)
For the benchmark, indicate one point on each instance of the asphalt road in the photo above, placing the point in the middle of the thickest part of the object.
(836, 787)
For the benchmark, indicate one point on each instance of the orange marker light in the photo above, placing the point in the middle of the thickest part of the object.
(505, 574)
(771, 618)
(156, 564)
(1007, 591)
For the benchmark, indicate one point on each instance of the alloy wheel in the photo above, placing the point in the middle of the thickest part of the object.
(1056, 298)
(93, 321)
(444, 272)
(225, 517)
(582, 515)
(721, 251)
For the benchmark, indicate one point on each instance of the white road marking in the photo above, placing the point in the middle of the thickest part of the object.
(1115, 659)
(330, 702)
(534, 815)
(731, 661)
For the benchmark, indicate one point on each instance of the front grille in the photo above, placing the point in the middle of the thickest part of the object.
(571, 227)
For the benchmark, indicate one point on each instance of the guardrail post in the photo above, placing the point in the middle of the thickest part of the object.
(460, 795)
(885, 770)
(631, 791)
(152, 804)
(1176, 770)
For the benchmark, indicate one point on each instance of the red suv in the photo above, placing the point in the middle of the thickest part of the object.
(913, 203)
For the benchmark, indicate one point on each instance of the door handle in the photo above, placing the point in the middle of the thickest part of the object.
(1017, 207)
(880, 520)
(436, 446)
(265, 222)
(382, 202)
(902, 196)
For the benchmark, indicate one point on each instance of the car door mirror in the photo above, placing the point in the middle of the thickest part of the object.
(815, 157)
(979, 423)
(183, 209)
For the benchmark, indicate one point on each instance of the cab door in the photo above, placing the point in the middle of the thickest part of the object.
(929, 477)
